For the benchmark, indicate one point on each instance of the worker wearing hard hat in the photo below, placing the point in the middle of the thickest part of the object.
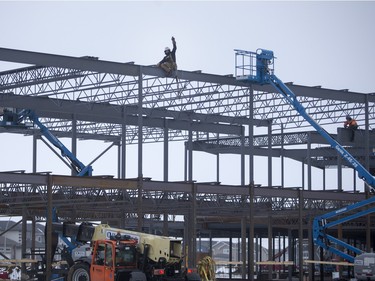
(168, 63)
(351, 124)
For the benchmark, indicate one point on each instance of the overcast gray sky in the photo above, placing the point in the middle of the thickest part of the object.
(316, 43)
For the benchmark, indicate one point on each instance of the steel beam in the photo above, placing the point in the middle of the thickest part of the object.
(100, 66)
(105, 113)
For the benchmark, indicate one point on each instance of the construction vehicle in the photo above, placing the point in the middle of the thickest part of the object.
(258, 67)
(112, 259)
(15, 118)
(158, 258)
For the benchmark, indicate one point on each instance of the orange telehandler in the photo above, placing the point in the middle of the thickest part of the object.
(112, 260)
(123, 255)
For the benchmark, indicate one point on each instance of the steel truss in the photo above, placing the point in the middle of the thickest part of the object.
(111, 101)
(206, 94)
(212, 202)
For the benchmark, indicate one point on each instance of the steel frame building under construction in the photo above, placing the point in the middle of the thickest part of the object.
(85, 98)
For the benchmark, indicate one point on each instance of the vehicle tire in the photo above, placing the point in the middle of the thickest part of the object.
(79, 272)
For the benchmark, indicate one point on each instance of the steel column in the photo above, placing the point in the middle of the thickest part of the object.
(166, 151)
(251, 232)
(140, 123)
(74, 140)
(282, 157)
(35, 143)
(242, 164)
(300, 233)
(190, 157)
(49, 229)
(309, 175)
(123, 144)
(269, 157)
(251, 135)
(270, 246)
(339, 172)
(24, 238)
(243, 246)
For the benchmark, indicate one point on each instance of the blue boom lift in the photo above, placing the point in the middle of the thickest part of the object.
(13, 118)
(257, 67)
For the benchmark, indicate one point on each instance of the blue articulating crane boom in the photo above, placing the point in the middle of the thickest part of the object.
(257, 67)
(13, 118)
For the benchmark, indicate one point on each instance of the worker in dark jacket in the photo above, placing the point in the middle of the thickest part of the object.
(168, 63)
(351, 124)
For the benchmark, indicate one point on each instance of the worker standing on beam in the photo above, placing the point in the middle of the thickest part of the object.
(351, 124)
(168, 63)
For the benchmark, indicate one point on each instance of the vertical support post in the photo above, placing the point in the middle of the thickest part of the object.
(218, 167)
(24, 234)
(303, 173)
(33, 241)
(165, 224)
(140, 204)
(193, 227)
(218, 161)
(310, 245)
(366, 187)
(230, 255)
(49, 228)
(251, 232)
(367, 136)
(35, 142)
(270, 247)
(290, 254)
(140, 123)
(74, 140)
(300, 234)
(140, 150)
(339, 172)
(284, 247)
(259, 250)
(123, 144)
(166, 169)
(269, 157)
(33, 237)
(308, 156)
(186, 161)
(210, 253)
(119, 160)
(368, 234)
(187, 237)
(243, 246)
(282, 156)
(166, 150)
(242, 156)
(273, 246)
(251, 136)
(190, 157)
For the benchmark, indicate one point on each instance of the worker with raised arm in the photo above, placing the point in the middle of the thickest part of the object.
(351, 124)
(168, 63)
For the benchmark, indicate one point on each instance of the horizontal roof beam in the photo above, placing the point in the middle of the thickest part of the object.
(106, 113)
(88, 64)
